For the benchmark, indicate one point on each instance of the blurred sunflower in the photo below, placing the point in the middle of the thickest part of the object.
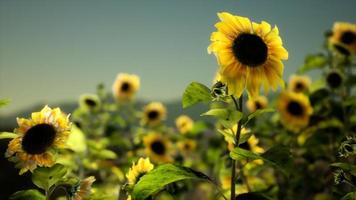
(154, 113)
(89, 102)
(157, 147)
(299, 83)
(138, 170)
(295, 110)
(334, 79)
(249, 54)
(187, 146)
(257, 103)
(343, 37)
(251, 144)
(184, 124)
(38, 138)
(83, 190)
(125, 86)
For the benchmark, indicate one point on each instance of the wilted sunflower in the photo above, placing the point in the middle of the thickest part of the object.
(83, 190)
(249, 54)
(257, 103)
(157, 147)
(184, 124)
(343, 37)
(89, 102)
(154, 113)
(295, 110)
(125, 86)
(187, 146)
(137, 171)
(38, 139)
(334, 79)
(299, 83)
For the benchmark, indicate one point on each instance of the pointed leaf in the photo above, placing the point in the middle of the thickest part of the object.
(46, 177)
(7, 135)
(228, 117)
(349, 196)
(4, 102)
(257, 113)
(27, 195)
(313, 61)
(195, 93)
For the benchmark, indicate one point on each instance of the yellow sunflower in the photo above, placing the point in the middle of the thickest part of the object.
(187, 146)
(89, 102)
(257, 103)
(249, 54)
(184, 124)
(138, 170)
(38, 139)
(84, 188)
(299, 83)
(125, 86)
(343, 37)
(295, 110)
(154, 113)
(157, 147)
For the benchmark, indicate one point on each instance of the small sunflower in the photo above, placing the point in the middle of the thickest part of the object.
(187, 146)
(295, 110)
(154, 113)
(299, 83)
(157, 147)
(138, 170)
(125, 86)
(83, 190)
(257, 103)
(38, 139)
(343, 37)
(334, 79)
(184, 124)
(249, 54)
(89, 102)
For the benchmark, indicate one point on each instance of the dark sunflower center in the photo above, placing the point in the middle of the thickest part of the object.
(299, 86)
(38, 138)
(158, 147)
(334, 80)
(153, 114)
(258, 105)
(90, 102)
(125, 87)
(187, 146)
(295, 108)
(250, 49)
(347, 37)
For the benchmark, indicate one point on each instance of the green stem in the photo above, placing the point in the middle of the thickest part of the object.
(238, 106)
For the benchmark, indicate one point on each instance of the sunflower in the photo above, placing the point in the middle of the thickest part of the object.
(187, 146)
(249, 54)
(125, 86)
(343, 37)
(184, 124)
(295, 110)
(257, 103)
(157, 147)
(334, 79)
(299, 83)
(89, 102)
(154, 113)
(38, 139)
(138, 170)
(83, 190)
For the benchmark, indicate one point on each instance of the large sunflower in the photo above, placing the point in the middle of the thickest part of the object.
(184, 124)
(257, 103)
(249, 54)
(38, 138)
(138, 170)
(343, 37)
(299, 83)
(157, 147)
(126, 86)
(295, 110)
(154, 113)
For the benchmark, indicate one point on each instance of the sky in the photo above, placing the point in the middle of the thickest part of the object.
(54, 51)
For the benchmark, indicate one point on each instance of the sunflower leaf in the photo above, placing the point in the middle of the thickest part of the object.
(349, 196)
(157, 179)
(195, 93)
(227, 117)
(27, 195)
(346, 167)
(313, 61)
(257, 113)
(7, 135)
(4, 102)
(46, 177)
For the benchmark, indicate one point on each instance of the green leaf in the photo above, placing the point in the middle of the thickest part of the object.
(346, 167)
(7, 135)
(228, 117)
(157, 179)
(4, 102)
(46, 177)
(349, 196)
(313, 61)
(106, 154)
(195, 93)
(277, 156)
(27, 195)
(257, 113)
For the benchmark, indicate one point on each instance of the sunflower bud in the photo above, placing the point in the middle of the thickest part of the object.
(219, 91)
(348, 147)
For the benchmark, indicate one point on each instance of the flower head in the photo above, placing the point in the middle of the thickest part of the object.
(154, 113)
(138, 170)
(184, 124)
(299, 83)
(257, 103)
(125, 86)
(157, 147)
(83, 190)
(343, 38)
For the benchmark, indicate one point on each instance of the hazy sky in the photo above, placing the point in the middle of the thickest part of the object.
(53, 51)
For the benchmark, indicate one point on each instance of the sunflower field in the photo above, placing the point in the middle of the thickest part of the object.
(259, 136)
